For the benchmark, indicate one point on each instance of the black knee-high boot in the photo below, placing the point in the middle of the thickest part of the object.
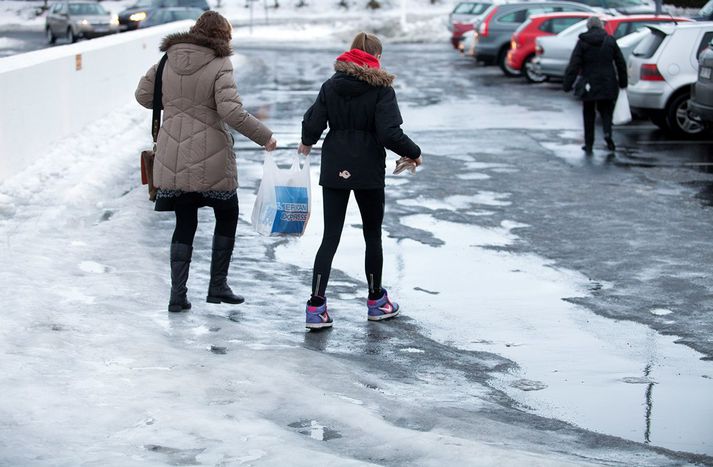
(219, 290)
(180, 264)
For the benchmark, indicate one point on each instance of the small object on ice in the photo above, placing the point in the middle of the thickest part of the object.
(430, 292)
(214, 329)
(218, 349)
(528, 385)
(638, 380)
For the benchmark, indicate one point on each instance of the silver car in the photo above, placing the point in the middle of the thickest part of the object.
(74, 19)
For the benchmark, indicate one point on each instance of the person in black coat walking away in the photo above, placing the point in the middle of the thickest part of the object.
(600, 66)
(360, 107)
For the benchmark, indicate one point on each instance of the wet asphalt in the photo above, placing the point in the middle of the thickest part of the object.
(637, 218)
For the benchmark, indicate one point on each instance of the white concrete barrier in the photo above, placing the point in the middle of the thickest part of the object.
(49, 94)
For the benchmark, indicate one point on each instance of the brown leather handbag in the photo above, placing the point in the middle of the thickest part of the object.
(147, 157)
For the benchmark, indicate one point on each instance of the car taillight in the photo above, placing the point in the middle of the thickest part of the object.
(483, 30)
(513, 44)
(539, 50)
(650, 72)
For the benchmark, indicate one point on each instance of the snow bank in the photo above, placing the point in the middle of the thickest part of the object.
(52, 93)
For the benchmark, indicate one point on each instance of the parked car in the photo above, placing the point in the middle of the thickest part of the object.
(75, 19)
(705, 13)
(661, 71)
(492, 38)
(701, 104)
(522, 44)
(132, 17)
(461, 19)
(169, 15)
(553, 52)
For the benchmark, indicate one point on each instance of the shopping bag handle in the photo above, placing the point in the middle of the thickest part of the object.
(296, 163)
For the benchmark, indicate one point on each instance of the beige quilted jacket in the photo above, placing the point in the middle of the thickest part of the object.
(195, 150)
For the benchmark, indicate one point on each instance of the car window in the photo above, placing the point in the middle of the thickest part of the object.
(557, 25)
(463, 8)
(704, 42)
(56, 7)
(621, 30)
(539, 11)
(81, 9)
(707, 9)
(650, 44)
(517, 17)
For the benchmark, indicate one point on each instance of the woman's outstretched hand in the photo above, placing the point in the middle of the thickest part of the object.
(418, 161)
(271, 145)
(304, 149)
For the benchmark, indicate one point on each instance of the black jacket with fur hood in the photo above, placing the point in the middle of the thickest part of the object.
(360, 107)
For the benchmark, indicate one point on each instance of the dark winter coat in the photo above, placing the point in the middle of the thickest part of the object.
(360, 107)
(598, 59)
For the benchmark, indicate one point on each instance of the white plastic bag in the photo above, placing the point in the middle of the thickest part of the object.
(282, 206)
(622, 112)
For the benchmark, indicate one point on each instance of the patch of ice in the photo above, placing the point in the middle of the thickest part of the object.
(93, 267)
(412, 350)
(660, 311)
(473, 176)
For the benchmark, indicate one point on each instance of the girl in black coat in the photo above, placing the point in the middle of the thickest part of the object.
(360, 107)
(600, 64)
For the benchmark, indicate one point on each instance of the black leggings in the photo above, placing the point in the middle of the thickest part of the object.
(226, 223)
(371, 207)
(606, 111)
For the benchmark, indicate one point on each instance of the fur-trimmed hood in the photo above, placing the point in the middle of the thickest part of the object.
(220, 47)
(372, 76)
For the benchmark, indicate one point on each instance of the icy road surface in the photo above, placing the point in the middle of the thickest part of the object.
(554, 309)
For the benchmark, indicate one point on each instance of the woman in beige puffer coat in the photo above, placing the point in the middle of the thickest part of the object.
(195, 164)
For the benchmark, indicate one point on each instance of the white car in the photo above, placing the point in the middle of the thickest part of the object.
(661, 71)
(554, 52)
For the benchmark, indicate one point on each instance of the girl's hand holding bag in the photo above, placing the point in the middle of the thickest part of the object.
(282, 206)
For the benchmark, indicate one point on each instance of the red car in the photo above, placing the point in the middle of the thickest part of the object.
(522, 45)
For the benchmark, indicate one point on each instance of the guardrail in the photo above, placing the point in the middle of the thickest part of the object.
(50, 94)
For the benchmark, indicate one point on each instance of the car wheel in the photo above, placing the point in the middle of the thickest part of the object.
(531, 73)
(70, 36)
(679, 121)
(503, 64)
(50, 37)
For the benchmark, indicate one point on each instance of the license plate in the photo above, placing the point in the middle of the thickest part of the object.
(705, 72)
(101, 29)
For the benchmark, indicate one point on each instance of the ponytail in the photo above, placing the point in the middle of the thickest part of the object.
(368, 43)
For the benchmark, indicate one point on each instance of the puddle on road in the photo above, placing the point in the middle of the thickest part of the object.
(613, 377)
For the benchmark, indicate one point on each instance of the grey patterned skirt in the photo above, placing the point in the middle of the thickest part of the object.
(169, 200)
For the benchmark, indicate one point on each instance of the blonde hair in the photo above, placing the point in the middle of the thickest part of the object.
(368, 43)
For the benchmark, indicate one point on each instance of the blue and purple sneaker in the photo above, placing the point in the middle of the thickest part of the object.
(317, 317)
(382, 308)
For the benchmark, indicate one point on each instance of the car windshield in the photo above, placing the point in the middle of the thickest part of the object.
(625, 3)
(707, 9)
(81, 9)
(650, 44)
(181, 3)
(471, 8)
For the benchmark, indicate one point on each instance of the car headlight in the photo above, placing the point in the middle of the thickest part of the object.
(114, 21)
(140, 16)
(84, 22)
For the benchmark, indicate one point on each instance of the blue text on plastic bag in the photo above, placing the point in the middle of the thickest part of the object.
(292, 212)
